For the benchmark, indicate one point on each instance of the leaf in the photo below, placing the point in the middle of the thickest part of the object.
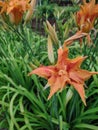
(84, 126)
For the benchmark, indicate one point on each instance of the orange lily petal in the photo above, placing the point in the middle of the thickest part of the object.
(75, 77)
(95, 11)
(62, 55)
(75, 63)
(59, 84)
(80, 89)
(43, 71)
(3, 6)
(22, 5)
(84, 2)
(80, 75)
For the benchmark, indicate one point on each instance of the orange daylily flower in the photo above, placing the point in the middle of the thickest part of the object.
(3, 6)
(66, 71)
(86, 16)
(15, 9)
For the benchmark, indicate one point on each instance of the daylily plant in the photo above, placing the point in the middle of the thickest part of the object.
(86, 16)
(85, 19)
(66, 71)
(16, 8)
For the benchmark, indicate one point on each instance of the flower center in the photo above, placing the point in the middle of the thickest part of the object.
(62, 72)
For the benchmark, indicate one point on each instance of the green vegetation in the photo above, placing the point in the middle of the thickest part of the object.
(23, 100)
